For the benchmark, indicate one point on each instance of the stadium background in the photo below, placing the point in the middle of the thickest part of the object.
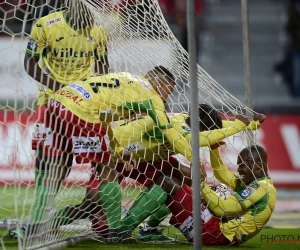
(220, 54)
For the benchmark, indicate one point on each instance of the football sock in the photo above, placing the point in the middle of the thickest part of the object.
(110, 198)
(44, 202)
(156, 218)
(39, 175)
(143, 207)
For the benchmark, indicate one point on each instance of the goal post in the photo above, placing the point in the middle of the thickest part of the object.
(139, 40)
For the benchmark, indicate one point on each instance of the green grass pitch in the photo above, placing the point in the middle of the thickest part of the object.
(12, 203)
(267, 239)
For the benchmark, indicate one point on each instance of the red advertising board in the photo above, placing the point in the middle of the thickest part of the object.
(280, 135)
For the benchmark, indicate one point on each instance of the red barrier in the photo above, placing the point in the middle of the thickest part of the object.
(280, 135)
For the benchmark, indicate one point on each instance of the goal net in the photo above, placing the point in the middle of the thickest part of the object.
(139, 40)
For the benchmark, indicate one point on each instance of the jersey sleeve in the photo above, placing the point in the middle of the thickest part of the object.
(179, 143)
(252, 194)
(237, 203)
(113, 142)
(154, 107)
(37, 40)
(254, 125)
(213, 136)
(221, 172)
(219, 206)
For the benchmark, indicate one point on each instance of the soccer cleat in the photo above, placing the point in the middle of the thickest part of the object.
(116, 236)
(153, 235)
(17, 233)
(30, 233)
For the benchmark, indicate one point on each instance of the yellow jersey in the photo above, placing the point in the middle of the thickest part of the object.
(257, 202)
(67, 54)
(142, 137)
(118, 96)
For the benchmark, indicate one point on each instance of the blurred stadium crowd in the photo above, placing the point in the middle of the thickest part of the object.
(14, 12)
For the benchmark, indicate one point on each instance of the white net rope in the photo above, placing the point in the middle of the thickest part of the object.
(139, 40)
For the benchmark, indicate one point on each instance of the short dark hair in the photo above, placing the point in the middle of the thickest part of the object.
(209, 118)
(164, 72)
(257, 152)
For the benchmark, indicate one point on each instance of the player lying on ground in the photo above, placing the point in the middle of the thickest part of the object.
(155, 157)
(83, 111)
(238, 218)
(208, 120)
(134, 135)
(64, 46)
(137, 214)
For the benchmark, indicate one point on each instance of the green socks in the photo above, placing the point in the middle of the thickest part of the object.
(158, 217)
(148, 203)
(39, 175)
(44, 202)
(110, 198)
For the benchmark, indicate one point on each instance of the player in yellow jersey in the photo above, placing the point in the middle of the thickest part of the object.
(63, 47)
(79, 115)
(210, 133)
(131, 135)
(238, 218)
(156, 159)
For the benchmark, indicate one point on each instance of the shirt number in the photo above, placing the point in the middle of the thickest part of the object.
(95, 85)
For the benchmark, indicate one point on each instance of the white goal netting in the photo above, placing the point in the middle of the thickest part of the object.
(139, 40)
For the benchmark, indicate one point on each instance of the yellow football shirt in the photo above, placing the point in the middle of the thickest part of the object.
(257, 202)
(67, 54)
(142, 137)
(118, 96)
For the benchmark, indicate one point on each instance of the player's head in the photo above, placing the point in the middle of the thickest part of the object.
(253, 163)
(162, 80)
(209, 118)
(79, 13)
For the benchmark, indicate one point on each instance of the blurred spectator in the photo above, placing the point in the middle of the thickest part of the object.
(140, 14)
(175, 14)
(293, 31)
(289, 67)
(14, 12)
(11, 9)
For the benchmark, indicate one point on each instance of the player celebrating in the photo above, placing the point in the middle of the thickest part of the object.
(63, 47)
(209, 119)
(238, 218)
(134, 135)
(82, 112)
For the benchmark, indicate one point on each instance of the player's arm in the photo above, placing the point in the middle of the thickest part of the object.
(211, 137)
(36, 44)
(118, 152)
(153, 106)
(221, 172)
(255, 124)
(179, 143)
(214, 136)
(114, 144)
(235, 203)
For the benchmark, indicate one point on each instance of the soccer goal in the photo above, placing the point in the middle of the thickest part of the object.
(139, 40)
